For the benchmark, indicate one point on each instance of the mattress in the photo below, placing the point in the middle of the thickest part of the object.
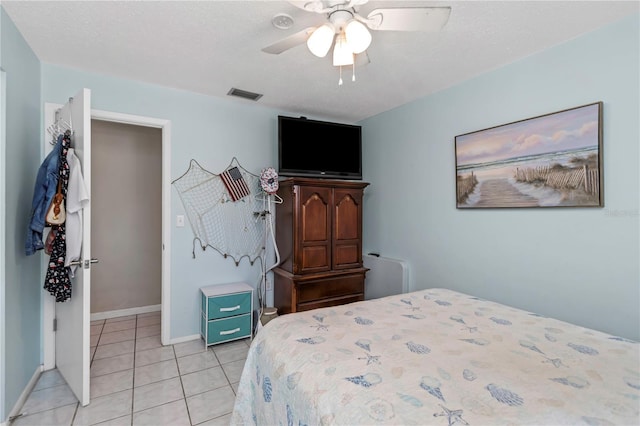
(435, 357)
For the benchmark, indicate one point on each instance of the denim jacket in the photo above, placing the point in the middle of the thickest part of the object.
(45, 189)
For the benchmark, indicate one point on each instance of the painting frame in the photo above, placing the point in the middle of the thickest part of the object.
(550, 160)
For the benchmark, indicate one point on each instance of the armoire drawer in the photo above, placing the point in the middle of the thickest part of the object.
(330, 288)
(325, 303)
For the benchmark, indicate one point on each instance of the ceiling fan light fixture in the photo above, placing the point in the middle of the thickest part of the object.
(358, 36)
(342, 52)
(321, 39)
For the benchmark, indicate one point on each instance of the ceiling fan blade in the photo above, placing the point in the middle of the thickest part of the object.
(362, 59)
(288, 42)
(408, 19)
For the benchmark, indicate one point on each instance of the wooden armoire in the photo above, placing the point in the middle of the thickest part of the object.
(319, 237)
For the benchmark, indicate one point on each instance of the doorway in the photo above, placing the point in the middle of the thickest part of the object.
(126, 219)
(164, 126)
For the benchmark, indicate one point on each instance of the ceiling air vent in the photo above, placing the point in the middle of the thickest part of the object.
(244, 94)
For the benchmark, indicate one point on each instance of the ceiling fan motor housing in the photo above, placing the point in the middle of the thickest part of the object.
(339, 18)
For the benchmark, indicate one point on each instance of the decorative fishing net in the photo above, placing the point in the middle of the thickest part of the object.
(233, 228)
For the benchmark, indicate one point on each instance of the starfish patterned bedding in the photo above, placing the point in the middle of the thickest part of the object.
(435, 357)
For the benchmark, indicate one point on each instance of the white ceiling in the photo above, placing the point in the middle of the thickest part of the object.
(211, 46)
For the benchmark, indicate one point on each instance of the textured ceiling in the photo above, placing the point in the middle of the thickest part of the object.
(211, 46)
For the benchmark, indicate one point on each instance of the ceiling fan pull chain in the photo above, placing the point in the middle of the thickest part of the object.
(353, 71)
(340, 81)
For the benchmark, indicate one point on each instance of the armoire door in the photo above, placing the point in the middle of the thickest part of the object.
(73, 317)
(347, 228)
(314, 230)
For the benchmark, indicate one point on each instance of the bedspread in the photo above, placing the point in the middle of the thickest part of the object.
(435, 357)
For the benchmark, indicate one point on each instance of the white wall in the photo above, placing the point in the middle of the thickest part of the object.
(576, 264)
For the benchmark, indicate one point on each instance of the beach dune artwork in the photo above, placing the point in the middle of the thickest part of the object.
(554, 160)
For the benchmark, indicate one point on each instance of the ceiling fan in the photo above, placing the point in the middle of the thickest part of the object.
(348, 31)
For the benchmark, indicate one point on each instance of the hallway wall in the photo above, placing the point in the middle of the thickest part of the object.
(126, 216)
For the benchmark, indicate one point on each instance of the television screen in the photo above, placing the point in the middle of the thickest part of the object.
(319, 149)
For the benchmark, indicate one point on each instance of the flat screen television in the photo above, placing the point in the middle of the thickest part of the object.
(311, 148)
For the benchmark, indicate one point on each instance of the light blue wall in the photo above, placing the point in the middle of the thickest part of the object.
(21, 312)
(576, 264)
(210, 130)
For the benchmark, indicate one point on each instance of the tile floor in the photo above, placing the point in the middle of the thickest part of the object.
(137, 381)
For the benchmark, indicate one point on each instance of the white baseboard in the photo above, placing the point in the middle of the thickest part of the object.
(24, 395)
(183, 339)
(124, 312)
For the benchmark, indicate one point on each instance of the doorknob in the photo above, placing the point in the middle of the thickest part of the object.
(87, 263)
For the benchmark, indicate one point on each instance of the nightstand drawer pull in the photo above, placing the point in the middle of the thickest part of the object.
(235, 308)
(224, 333)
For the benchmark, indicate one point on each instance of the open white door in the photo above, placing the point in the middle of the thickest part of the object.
(73, 316)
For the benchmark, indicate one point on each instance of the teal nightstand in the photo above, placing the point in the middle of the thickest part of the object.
(226, 312)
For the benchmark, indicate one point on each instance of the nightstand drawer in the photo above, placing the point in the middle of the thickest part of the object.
(228, 329)
(229, 305)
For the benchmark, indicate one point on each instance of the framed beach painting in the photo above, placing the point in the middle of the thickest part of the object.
(554, 160)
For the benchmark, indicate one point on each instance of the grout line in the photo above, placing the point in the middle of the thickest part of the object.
(115, 372)
(99, 337)
(184, 394)
(75, 413)
(226, 377)
(93, 355)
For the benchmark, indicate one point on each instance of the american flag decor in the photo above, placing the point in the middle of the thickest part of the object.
(235, 183)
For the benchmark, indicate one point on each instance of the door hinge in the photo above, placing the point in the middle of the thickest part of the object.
(55, 324)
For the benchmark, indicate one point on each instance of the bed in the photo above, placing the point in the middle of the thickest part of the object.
(435, 357)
